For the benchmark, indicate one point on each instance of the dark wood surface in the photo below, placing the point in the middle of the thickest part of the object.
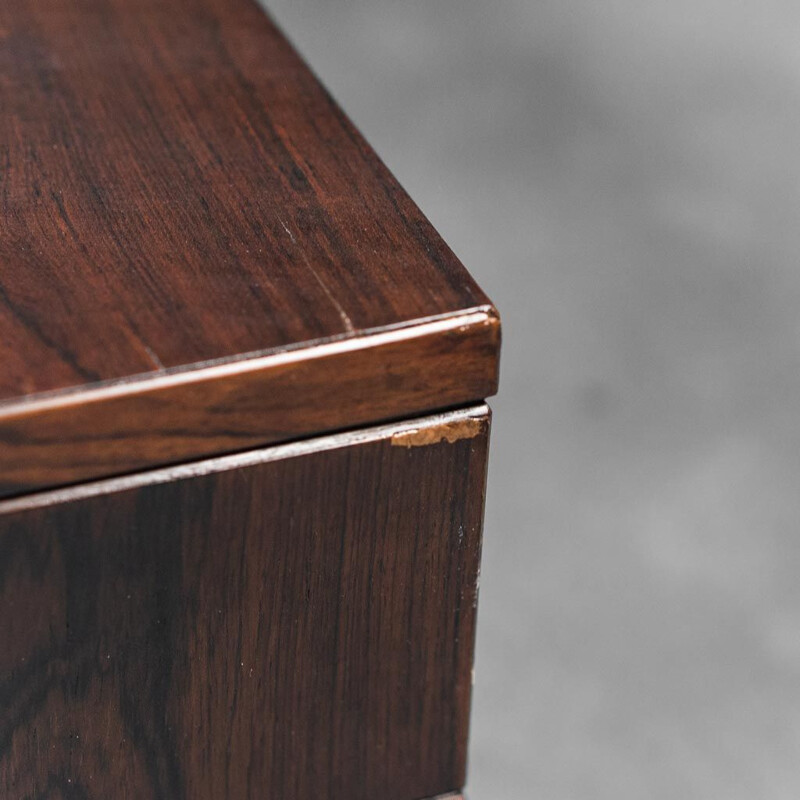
(178, 194)
(295, 622)
(177, 188)
(251, 403)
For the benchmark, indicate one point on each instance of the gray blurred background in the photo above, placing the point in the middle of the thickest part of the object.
(623, 178)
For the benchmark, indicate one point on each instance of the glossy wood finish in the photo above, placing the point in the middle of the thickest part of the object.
(295, 622)
(178, 192)
(278, 397)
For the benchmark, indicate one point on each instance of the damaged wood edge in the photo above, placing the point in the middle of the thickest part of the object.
(273, 399)
(438, 427)
(450, 432)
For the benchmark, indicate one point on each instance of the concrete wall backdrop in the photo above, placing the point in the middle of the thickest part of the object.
(624, 180)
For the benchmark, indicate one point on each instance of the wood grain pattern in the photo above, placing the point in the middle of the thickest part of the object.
(295, 622)
(178, 194)
(176, 187)
(249, 403)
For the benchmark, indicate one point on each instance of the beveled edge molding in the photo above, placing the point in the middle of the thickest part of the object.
(219, 369)
(188, 414)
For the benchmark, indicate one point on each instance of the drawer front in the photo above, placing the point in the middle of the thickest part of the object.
(296, 622)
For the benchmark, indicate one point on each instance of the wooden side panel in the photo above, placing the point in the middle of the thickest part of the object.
(297, 625)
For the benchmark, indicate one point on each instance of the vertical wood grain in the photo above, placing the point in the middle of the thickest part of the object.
(294, 628)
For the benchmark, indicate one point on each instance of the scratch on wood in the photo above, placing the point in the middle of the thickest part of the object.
(291, 235)
(153, 356)
(348, 323)
(450, 432)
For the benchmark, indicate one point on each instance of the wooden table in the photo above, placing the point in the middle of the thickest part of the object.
(242, 434)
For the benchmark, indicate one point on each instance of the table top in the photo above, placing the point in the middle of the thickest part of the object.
(183, 204)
